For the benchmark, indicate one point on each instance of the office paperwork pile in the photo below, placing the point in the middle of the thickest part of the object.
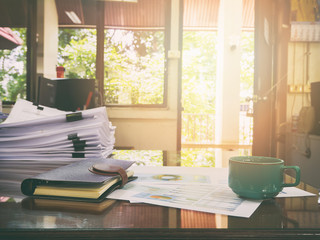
(41, 133)
(37, 137)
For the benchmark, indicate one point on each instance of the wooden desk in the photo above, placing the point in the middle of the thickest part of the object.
(27, 218)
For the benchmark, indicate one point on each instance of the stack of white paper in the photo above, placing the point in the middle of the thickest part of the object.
(35, 139)
(42, 133)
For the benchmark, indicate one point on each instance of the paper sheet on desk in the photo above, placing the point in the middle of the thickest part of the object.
(294, 192)
(199, 189)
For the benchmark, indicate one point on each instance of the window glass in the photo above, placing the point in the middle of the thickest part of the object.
(77, 52)
(13, 69)
(199, 86)
(134, 67)
(246, 87)
(134, 63)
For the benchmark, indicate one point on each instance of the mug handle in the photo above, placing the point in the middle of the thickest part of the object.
(297, 169)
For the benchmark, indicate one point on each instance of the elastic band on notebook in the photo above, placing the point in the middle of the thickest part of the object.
(106, 169)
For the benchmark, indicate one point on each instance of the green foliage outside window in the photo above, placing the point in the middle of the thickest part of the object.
(133, 60)
(186, 158)
(198, 157)
(13, 70)
(199, 71)
(77, 52)
(135, 64)
(198, 85)
(141, 157)
(247, 65)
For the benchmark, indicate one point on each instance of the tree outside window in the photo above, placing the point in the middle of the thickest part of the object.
(13, 70)
(134, 63)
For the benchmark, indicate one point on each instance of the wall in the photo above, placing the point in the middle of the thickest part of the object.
(309, 164)
(228, 98)
(302, 149)
(303, 68)
(47, 43)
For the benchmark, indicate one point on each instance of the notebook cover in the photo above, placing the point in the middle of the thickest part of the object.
(76, 173)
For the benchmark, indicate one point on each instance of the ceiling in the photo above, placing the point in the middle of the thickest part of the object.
(198, 14)
(13, 13)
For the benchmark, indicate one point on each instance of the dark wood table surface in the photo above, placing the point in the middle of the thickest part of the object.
(27, 218)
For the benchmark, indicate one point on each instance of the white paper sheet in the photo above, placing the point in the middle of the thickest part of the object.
(294, 192)
(24, 110)
(207, 198)
(199, 189)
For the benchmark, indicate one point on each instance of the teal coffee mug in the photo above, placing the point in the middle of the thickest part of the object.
(259, 177)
